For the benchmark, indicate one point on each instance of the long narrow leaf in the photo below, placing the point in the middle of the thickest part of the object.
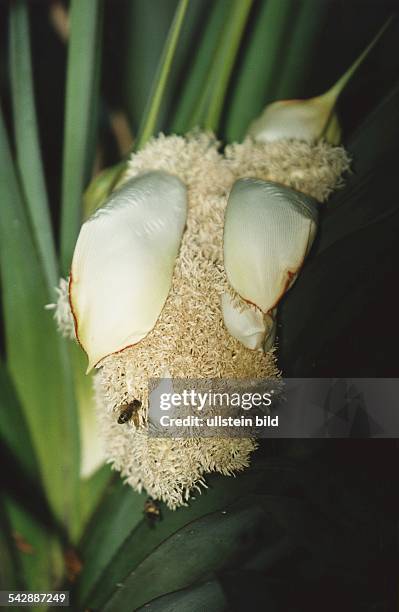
(118, 540)
(81, 94)
(261, 66)
(38, 550)
(358, 237)
(14, 432)
(149, 122)
(27, 138)
(297, 62)
(91, 449)
(145, 40)
(116, 517)
(198, 73)
(36, 357)
(211, 103)
(10, 575)
(92, 490)
(210, 543)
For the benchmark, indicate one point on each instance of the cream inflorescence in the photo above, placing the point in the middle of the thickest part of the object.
(189, 339)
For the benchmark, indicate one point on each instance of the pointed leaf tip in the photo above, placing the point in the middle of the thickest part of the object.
(313, 118)
(123, 263)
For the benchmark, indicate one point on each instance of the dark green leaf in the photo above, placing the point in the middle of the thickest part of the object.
(92, 489)
(136, 539)
(14, 432)
(151, 113)
(145, 40)
(38, 551)
(357, 237)
(209, 107)
(191, 554)
(10, 577)
(298, 57)
(196, 78)
(80, 116)
(208, 596)
(36, 356)
(119, 513)
(261, 66)
(27, 139)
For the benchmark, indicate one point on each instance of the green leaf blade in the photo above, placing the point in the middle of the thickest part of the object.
(297, 61)
(261, 66)
(36, 356)
(151, 113)
(196, 80)
(105, 566)
(27, 139)
(14, 432)
(209, 543)
(37, 549)
(224, 63)
(80, 116)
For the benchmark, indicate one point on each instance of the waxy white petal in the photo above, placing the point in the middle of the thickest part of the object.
(250, 326)
(268, 232)
(123, 263)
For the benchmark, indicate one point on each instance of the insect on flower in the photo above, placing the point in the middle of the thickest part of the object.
(130, 411)
(152, 511)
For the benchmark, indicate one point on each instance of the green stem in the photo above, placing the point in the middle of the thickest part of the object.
(151, 113)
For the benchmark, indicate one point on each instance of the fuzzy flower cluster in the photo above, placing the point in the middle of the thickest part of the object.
(190, 339)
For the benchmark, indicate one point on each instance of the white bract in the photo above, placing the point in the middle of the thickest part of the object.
(301, 119)
(269, 229)
(123, 263)
(250, 325)
(309, 119)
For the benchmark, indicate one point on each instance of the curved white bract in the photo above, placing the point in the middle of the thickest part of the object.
(250, 326)
(123, 263)
(268, 232)
(299, 119)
